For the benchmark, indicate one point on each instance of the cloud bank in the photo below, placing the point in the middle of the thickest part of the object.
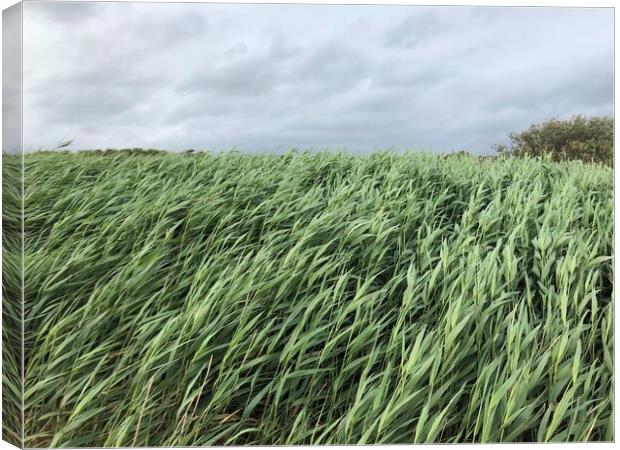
(271, 77)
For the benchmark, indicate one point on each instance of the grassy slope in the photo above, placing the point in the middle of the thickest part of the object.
(196, 300)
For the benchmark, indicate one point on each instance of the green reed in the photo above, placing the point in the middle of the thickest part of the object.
(316, 298)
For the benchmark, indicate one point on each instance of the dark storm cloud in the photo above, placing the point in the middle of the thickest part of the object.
(269, 77)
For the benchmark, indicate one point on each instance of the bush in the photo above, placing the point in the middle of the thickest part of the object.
(589, 139)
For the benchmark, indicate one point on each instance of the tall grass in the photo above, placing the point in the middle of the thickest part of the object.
(316, 299)
(12, 323)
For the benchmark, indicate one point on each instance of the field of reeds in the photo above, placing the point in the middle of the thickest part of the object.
(202, 299)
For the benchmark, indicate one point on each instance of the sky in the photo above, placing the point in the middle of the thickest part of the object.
(265, 78)
(11, 79)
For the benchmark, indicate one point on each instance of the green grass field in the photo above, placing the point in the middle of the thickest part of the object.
(325, 298)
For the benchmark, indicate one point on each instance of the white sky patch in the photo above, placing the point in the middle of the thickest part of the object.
(271, 77)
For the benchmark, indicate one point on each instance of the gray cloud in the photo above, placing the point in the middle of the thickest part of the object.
(12, 79)
(414, 30)
(70, 13)
(269, 77)
(249, 76)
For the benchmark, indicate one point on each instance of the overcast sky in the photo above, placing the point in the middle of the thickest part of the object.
(271, 77)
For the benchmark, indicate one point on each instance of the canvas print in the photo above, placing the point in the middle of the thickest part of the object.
(287, 224)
